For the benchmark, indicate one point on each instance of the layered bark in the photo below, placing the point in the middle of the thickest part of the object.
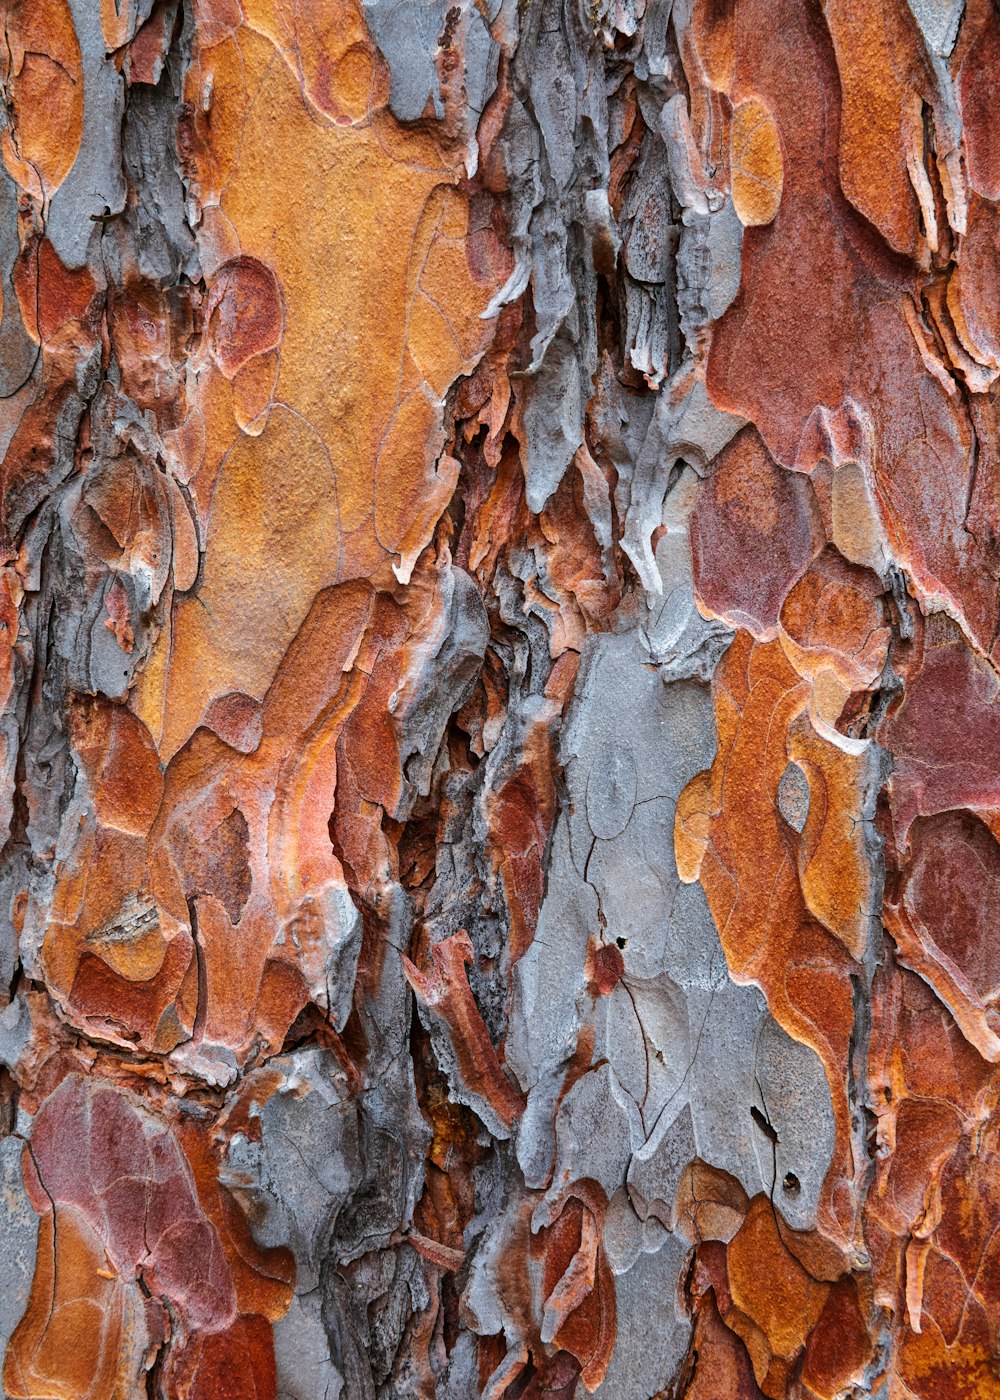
(499, 702)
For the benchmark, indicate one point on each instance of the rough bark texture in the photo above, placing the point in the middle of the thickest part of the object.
(499, 706)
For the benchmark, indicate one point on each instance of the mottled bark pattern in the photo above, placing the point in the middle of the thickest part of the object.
(499, 699)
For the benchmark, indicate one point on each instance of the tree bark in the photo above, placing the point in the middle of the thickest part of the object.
(499, 708)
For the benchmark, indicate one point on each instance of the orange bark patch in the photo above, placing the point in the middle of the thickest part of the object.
(757, 168)
(43, 77)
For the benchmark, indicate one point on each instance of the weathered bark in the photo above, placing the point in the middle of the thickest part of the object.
(499, 710)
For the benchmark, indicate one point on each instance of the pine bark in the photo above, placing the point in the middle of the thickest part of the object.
(499, 707)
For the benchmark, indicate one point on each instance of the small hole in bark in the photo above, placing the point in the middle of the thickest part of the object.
(622, 942)
(792, 1184)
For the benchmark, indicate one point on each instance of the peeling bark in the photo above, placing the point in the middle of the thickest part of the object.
(499, 699)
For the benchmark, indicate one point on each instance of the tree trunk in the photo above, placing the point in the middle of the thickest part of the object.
(499, 709)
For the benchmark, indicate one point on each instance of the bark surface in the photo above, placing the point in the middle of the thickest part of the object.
(499, 699)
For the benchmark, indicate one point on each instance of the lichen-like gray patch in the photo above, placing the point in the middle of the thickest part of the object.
(793, 796)
(18, 1240)
(691, 1065)
(415, 36)
(939, 21)
(303, 1168)
(17, 350)
(302, 1355)
(95, 187)
(407, 32)
(652, 1330)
